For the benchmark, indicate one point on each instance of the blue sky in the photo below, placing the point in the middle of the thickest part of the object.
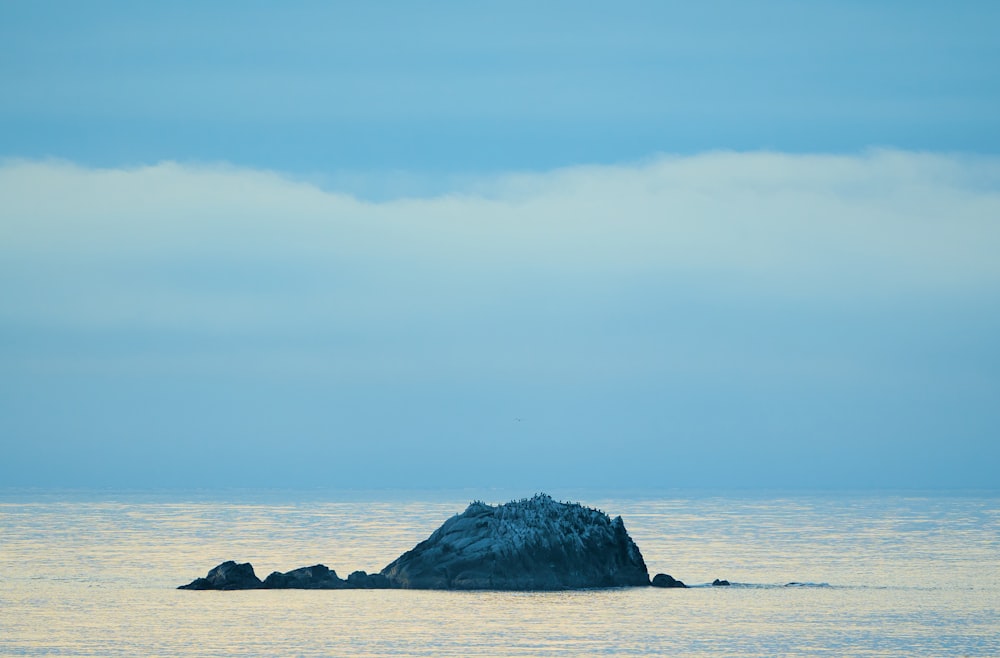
(492, 244)
(491, 86)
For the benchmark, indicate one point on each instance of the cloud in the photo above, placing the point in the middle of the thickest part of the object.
(781, 310)
(572, 264)
(219, 247)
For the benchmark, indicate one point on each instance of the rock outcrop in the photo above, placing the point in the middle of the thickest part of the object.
(362, 580)
(531, 544)
(227, 576)
(318, 576)
(230, 575)
(666, 580)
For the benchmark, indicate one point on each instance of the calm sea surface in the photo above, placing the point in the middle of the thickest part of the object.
(94, 574)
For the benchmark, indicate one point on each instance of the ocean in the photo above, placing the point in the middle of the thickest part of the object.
(94, 573)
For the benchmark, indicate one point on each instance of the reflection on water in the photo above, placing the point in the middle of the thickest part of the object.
(95, 576)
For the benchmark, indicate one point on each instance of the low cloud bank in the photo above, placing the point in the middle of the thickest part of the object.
(728, 319)
(218, 247)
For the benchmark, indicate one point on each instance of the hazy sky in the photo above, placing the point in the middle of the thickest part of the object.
(500, 245)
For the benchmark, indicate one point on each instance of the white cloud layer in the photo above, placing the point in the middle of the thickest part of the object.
(219, 247)
(745, 316)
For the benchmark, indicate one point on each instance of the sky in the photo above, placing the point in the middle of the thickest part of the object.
(640, 245)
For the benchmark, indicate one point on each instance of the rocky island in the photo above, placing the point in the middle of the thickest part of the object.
(532, 544)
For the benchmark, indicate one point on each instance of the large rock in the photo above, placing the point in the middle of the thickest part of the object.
(532, 544)
(228, 575)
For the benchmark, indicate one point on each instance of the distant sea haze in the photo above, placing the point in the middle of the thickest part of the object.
(93, 573)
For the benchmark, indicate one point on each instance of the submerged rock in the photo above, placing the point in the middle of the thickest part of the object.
(531, 544)
(666, 580)
(227, 576)
(318, 576)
